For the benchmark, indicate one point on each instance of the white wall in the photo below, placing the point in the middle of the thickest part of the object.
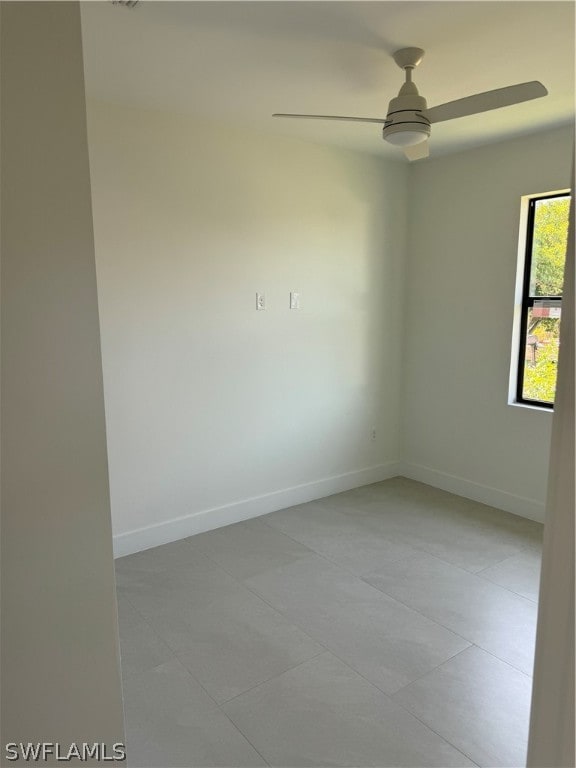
(60, 659)
(210, 403)
(459, 431)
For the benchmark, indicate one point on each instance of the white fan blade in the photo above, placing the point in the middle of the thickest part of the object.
(333, 117)
(417, 151)
(482, 102)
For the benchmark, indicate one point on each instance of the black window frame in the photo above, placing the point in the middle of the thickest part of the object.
(528, 301)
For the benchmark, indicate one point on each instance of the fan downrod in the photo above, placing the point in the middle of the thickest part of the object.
(408, 58)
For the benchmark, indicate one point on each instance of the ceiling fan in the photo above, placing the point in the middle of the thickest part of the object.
(408, 121)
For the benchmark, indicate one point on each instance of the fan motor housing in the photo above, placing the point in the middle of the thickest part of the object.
(405, 115)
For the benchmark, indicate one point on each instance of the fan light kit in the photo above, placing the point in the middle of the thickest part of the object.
(407, 123)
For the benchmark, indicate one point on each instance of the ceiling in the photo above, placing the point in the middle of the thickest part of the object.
(241, 61)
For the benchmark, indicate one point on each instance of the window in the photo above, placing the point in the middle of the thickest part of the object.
(541, 301)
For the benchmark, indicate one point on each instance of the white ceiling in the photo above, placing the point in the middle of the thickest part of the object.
(241, 61)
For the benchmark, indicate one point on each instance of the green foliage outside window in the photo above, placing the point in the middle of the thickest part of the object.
(540, 377)
(549, 246)
(546, 279)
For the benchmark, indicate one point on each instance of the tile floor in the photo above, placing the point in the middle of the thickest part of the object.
(391, 625)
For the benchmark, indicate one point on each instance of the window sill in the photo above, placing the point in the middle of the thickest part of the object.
(539, 408)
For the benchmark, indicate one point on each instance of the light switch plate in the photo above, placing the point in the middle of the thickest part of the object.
(260, 301)
(294, 300)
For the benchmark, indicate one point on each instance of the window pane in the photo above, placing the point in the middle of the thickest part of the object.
(541, 354)
(549, 246)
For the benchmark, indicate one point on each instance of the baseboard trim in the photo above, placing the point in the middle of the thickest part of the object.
(208, 519)
(493, 497)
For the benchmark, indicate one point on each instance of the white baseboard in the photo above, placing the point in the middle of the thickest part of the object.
(493, 497)
(208, 519)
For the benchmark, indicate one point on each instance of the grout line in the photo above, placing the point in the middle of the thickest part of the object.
(463, 570)
(195, 679)
(418, 551)
(499, 562)
(373, 685)
(512, 591)
(458, 634)
(219, 707)
(467, 570)
(120, 592)
(400, 704)
(274, 677)
(444, 738)
(436, 667)
(344, 567)
(523, 550)
(233, 724)
(338, 565)
(188, 673)
(207, 554)
(264, 601)
(469, 642)
(503, 661)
